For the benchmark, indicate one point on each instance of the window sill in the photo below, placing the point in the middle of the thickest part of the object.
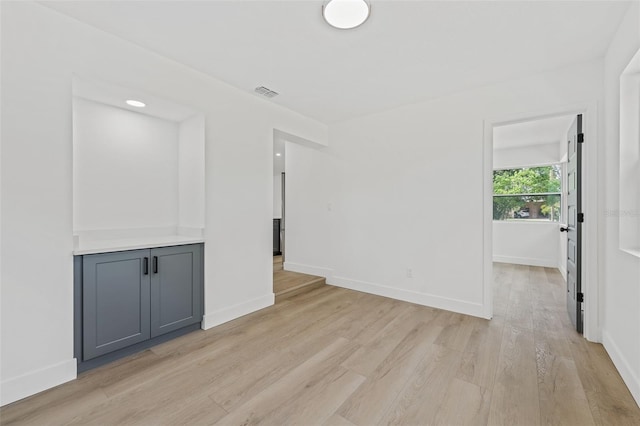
(536, 221)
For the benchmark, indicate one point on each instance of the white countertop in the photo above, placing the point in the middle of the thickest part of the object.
(106, 246)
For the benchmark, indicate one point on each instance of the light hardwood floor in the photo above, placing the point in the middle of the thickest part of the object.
(338, 357)
(287, 284)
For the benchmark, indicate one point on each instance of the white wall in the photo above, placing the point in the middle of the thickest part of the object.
(277, 195)
(408, 190)
(527, 243)
(308, 209)
(191, 173)
(279, 161)
(41, 50)
(532, 155)
(620, 272)
(126, 168)
(562, 252)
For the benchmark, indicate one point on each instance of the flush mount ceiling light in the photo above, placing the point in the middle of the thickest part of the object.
(346, 14)
(278, 154)
(135, 103)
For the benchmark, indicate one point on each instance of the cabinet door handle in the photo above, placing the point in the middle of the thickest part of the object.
(145, 266)
(155, 264)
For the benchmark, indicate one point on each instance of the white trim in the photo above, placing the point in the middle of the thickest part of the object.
(590, 287)
(536, 221)
(308, 269)
(632, 251)
(487, 212)
(629, 156)
(530, 194)
(531, 165)
(622, 365)
(590, 261)
(563, 271)
(454, 305)
(236, 311)
(290, 137)
(529, 261)
(37, 381)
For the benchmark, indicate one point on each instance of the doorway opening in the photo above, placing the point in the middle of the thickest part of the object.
(279, 200)
(286, 283)
(535, 200)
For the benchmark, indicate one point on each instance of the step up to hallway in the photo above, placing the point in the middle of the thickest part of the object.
(287, 284)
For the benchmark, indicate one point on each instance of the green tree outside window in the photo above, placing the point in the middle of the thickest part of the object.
(527, 193)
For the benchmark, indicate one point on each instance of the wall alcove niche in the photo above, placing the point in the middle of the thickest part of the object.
(629, 203)
(138, 173)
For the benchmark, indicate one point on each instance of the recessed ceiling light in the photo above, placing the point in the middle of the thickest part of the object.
(278, 154)
(136, 104)
(346, 14)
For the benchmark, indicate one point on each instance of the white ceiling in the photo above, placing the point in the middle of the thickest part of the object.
(529, 133)
(406, 52)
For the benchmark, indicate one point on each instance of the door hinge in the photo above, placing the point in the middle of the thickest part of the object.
(580, 137)
(580, 297)
(580, 217)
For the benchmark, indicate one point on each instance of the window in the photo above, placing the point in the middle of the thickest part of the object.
(527, 193)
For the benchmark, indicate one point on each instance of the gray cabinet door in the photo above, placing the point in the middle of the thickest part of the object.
(115, 301)
(176, 287)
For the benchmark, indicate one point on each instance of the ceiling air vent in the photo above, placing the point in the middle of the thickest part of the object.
(266, 92)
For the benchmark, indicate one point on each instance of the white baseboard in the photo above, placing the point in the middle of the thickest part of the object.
(236, 311)
(529, 261)
(563, 271)
(620, 362)
(454, 305)
(308, 269)
(28, 384)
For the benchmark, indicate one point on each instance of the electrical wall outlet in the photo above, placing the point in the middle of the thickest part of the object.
(409, 273)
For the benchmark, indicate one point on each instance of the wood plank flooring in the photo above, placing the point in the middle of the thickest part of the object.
(287, 284)
(338, 357)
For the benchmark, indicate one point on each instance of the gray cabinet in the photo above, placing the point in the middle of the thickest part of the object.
(115, 300)
(175, 288)
(134, 296)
